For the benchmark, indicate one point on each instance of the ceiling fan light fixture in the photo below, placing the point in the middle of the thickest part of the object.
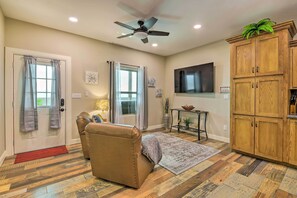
(140, 35)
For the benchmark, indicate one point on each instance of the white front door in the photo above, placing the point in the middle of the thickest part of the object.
(44, 137)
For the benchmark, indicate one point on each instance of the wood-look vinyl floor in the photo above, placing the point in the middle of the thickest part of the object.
(226, 174)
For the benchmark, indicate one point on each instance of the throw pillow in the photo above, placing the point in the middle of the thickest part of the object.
(97, 119)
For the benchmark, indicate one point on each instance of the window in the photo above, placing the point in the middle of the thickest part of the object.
(44, 78)
(128, 90)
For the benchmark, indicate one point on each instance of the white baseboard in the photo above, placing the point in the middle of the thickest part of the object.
(155, 127)
(220, 138)
(211, 136)
(74, 141)
(2, 157)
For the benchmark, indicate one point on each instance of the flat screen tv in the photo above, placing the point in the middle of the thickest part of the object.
(194, 79)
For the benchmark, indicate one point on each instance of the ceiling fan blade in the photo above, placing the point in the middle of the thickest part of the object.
(125, 25)
(150, 22)
(145, 40)
(158, 33)
(126, 35)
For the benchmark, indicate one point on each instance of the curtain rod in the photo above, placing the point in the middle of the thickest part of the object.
(39, 57)
(125, 64)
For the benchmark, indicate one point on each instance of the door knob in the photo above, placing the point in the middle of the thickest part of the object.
(62, 109)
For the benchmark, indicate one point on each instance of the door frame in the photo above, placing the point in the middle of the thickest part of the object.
(9, 97)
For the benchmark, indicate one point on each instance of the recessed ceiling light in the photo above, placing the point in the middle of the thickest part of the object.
(155, 44)
(73, 19)
(198, 26)
(123, 34)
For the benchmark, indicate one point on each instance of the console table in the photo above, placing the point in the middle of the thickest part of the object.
(198, 113)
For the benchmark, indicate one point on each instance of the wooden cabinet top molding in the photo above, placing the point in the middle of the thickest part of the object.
(289, 25)
(293, 43)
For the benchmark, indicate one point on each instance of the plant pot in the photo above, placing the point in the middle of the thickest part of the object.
(166, 121)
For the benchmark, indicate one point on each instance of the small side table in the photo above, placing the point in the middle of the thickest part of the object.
(198, 129)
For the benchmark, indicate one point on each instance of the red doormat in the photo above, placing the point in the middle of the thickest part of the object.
(33, 155)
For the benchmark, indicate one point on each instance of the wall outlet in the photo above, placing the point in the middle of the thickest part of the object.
(225, 127)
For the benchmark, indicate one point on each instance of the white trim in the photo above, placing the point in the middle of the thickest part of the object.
(220, 138)
(211, 136)
(9, 52)
(155, 127)
(74, 141)
(2, 157)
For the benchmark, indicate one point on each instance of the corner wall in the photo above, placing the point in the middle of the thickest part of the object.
(2, 119)
(215, 104)
(87, 55)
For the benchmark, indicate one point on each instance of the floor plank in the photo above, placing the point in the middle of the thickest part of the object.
(226, 174)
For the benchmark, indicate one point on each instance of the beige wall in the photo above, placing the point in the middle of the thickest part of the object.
(2, 133)
(217, 106)
(87, 54)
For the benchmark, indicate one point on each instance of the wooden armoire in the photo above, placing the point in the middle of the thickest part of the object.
(263, 75)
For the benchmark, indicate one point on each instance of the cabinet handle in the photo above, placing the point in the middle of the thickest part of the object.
(252, 85)
(253, 70)
(256, 125)
(252, 124)
(257, 69)
(257, 85)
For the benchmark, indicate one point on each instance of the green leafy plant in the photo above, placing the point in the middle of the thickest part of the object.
(187, 122)
(264, 25)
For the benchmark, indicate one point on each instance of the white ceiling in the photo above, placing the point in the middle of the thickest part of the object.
(220, 19)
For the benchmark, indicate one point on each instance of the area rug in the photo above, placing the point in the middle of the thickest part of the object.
(33, 155)
(179, 155)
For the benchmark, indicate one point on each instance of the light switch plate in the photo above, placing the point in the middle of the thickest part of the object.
(76, 95)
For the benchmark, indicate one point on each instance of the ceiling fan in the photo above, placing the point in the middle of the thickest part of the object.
(143, 31)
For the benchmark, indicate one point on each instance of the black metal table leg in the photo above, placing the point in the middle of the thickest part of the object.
(178, 119)
(171, 119)
(199, 127)
(205, 117)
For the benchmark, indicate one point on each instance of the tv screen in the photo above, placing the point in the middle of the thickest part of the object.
(194, 79)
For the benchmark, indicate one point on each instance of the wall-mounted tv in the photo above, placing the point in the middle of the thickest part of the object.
(194, 79)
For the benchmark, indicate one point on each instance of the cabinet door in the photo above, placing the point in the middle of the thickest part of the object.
(243, 96)
(243, 133)
(268, 138)
(293, 142)
(269, 96)
(243, 59)
(270, 50)
(294, 67)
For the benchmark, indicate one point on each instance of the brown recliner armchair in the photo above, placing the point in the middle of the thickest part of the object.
(83, 119)
(115, 152)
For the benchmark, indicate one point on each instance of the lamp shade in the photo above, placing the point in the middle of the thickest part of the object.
(102, 104)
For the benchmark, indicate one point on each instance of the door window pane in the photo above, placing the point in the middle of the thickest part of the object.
(41, 71)
(41, 85)
(49, 72)
(41, 99)
(44, 78)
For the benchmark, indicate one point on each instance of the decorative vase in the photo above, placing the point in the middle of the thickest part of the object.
(166, 121)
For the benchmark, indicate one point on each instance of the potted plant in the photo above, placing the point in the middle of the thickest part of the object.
(187, 122)
(264, 25)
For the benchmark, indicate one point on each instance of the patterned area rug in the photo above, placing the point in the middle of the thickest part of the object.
(180, 155)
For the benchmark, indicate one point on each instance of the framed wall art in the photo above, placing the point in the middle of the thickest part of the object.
(91, 78)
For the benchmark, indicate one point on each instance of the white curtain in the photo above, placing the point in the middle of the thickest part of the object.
(142, 104)
(28, 116)
(54, 110)
(115, 107)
